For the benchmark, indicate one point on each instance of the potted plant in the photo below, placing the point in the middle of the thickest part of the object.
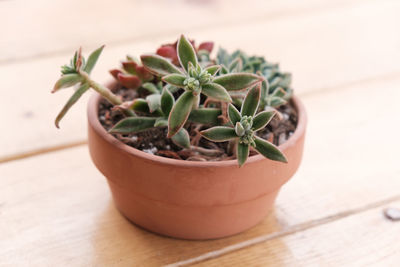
(192, 146)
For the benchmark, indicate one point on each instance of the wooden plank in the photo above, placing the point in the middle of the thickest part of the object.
(56, 209)
(364, 239)
(322, 50)
(46, 27)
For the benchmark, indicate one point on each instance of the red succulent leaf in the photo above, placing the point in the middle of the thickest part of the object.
(129, 81)
(115, 72)
(169, 51)
(206, 46)
(129, 66)
(144, 74)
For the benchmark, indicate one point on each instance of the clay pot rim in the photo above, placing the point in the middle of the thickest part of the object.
(92, 112)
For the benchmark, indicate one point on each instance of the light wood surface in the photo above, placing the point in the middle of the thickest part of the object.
(55, 207)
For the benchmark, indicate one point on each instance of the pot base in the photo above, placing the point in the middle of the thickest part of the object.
(191, 222)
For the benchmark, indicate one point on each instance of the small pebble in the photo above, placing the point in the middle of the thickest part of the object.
(152, 150)
(134, 138)
(392, 214)
(282, 138)
(168, 147)
(285, 116)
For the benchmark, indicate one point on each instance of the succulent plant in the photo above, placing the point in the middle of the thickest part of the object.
(276, 88)
(175, 88)
(195, 80)
(244, 126)
(132, 75)
(163, 105)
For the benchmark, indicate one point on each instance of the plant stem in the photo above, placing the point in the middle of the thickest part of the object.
(106, 93)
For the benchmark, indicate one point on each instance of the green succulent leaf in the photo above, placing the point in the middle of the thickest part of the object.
(237, 81)
(279, 92)
(158, 65)
(186, 53)
(277, 101)
(205, 116)
(269, 150)
(161, 122)
(133, 125)
(216, 91)
(181, 138)
(140, 105)
(180, 113)
(151, 88)
(175, 79)
(167, 101)
(75, 97)
(213, 69)
(67, 80)
(262, 119)
(251, 101)
(92, 59)
(236, 65)
(234, 114)
(219, 133)
(224, 70)
(242, 153)
(264, 88)
(154, 102)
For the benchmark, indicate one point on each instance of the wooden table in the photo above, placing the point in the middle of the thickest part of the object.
(55, 207)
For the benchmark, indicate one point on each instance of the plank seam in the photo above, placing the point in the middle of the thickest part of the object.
(387, 77)
(146, 37)
(40, 151)
(289, 231)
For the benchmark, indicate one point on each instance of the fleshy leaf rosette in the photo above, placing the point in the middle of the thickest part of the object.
(244, 126)
(195, 80)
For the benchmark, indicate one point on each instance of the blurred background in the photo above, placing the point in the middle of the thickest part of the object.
(323, 43)
(344, 56)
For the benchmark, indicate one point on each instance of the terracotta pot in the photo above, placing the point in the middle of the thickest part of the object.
(191, 200)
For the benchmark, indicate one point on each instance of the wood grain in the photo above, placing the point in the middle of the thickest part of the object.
(364, 239)
(45, 27)
(56, 209)
(332, 47)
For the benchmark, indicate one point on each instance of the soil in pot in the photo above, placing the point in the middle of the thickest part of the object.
(154, 141)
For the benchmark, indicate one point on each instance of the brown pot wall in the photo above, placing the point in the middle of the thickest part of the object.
(192, 200)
